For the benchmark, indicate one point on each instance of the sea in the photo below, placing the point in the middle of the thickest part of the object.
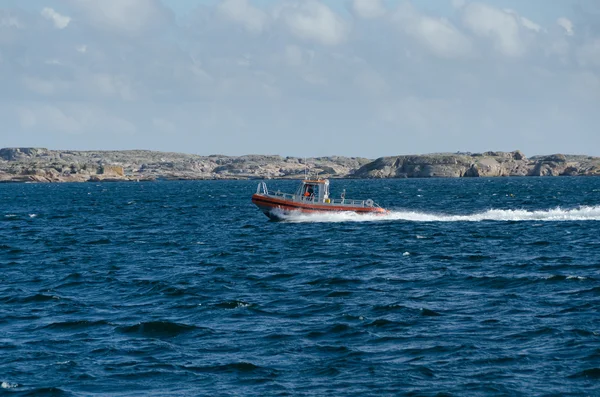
(468, 287)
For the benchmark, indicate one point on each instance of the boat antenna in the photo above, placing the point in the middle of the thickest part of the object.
(305, 168)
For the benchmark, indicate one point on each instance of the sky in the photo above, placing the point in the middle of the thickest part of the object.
(366, 78)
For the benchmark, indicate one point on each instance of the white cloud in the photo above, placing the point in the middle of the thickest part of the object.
(525, 22)
(123, 16)
(53, 62)
(502, 27)
(219, 89)
(531, 25)
(567, 25)
(60, 21)
(368, 9)
(9, 21)
(438, 35)
(252, 18)
(314, 21)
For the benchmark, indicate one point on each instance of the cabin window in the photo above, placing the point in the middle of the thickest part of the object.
(309, 191)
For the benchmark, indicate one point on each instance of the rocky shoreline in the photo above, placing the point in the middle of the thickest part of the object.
(43, 165)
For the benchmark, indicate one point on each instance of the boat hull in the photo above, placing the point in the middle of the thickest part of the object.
(274, 208)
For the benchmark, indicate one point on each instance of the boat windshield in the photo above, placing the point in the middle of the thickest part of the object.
(313, 190)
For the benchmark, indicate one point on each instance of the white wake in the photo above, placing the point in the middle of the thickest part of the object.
(583, 213)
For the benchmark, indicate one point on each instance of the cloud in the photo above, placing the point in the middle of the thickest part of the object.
(312, 20)
(131, 17)
(368, 9)
(525, 22)
(230, 77)
(438, 35)
(567, 25)
(12, 26)
(60, 21)
(7, 20)
(499, 26)
(240, 11)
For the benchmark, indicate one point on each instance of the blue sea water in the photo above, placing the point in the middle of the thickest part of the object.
(474, 287)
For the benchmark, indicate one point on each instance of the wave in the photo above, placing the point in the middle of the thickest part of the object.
(157, 329)
(583, 213)
(592, 373)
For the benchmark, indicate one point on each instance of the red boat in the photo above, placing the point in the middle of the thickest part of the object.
(312, 196)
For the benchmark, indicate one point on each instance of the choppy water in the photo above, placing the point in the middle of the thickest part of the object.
(469, 287)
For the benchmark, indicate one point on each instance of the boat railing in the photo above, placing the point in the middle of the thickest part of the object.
(339, 202)
(262, 188)
(285, 196)
(353, 203)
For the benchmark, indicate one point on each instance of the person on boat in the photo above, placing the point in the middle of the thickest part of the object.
(309, 192)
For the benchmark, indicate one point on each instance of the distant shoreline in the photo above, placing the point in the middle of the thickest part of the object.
(43, 165)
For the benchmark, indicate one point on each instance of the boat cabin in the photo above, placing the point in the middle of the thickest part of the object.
(314, 190)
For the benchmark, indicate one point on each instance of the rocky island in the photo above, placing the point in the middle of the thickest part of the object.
(43, 165)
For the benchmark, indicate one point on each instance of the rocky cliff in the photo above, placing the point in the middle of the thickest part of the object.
(43, 165)
(488, 164)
